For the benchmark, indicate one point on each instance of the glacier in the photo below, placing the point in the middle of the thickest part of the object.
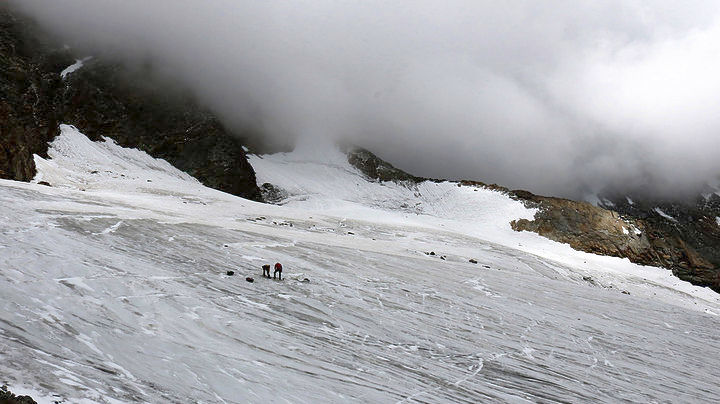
(114, 289)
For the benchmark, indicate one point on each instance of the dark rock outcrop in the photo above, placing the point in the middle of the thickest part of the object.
(272, 194)
(694, 222)
(106, 99)
(30, 88)
(605, 232)
(377, 169)
(7, 397)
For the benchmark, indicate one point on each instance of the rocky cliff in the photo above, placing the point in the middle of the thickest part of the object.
(106, 99)
(607, 232)
(377, 169)
(693, 224)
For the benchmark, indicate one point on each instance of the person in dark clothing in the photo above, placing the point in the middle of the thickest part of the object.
(266, 270)
(278, 271)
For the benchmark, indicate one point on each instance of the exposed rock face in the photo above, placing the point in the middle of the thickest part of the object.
(272, 194)
(105, 99)
(29, 87)
(600, 231)
(694, 223)
(7, 397)
(377, 169)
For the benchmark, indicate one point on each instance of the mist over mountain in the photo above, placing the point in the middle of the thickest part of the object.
(558, 97)
(143, 194)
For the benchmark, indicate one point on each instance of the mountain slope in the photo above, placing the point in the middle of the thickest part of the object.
(115, 289)
(692, 224)
(689, 245)
(43, 86)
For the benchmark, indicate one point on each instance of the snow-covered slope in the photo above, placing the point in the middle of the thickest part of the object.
(319, 178)
(114, 290)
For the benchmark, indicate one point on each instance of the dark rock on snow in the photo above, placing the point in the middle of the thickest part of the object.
(272, 194)
(7, 397)
(377, 169)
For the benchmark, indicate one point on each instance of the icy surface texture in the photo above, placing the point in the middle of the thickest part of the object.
(119, 293)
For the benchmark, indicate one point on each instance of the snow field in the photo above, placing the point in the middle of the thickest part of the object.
(118, 293)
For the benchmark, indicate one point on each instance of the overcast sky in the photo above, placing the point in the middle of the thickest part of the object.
(557, 97)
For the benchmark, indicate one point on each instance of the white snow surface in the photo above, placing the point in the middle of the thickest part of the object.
(665, 215)
(114, 290)
(79, 63)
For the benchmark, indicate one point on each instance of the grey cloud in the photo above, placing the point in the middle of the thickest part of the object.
(558, 97)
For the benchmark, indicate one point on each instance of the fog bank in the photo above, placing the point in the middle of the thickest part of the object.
(557, 97)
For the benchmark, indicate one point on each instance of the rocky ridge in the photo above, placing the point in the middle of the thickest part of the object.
(691, 225)
(106, 99)
(7, 397)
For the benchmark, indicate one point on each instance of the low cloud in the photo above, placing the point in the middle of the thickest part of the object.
(558, 97)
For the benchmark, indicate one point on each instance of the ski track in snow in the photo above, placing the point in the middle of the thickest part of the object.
(118, 293)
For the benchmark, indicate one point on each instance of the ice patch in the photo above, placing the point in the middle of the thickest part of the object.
(630, 201)
(111, 229)
(253, 258)
(74, 67)
(665, 215)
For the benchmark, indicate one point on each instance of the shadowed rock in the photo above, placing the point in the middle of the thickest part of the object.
(7, 397)
(106, 99)
(605, 232)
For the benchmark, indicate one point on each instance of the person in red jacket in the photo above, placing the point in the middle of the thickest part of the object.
(278, 271)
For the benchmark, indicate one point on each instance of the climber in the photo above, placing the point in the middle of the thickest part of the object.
(278, 271)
